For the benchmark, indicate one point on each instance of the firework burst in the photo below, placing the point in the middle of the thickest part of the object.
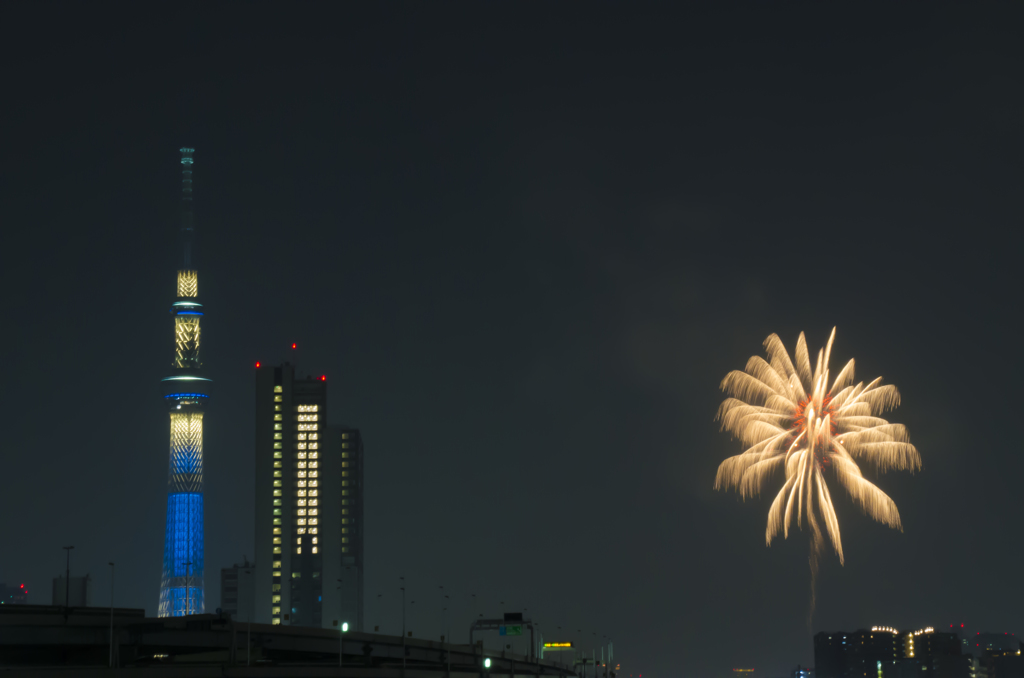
(794, 420)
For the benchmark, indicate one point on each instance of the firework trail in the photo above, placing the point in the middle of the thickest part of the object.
(792, 419)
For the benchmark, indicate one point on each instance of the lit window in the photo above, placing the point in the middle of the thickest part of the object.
(301, 474)
(277, 566)
(344, 474)
(344, 455)
(298, 540)
(302, 493)
(344, 512)
(344, 493)
(278, 427)
(312, 521)
(312, 474)
(344, 464)
(277, 446)
(301, 530)
(344, 446)
(277, 550)
(300, 502)
(313, 455)
(277, 530)
(312, 530)
(344, 436)
(278, 455)
(278, 399)
(301, 436)
(314, 540)
(344, 549)
(277, 512)
(346, 483)
(301, 512)
(276, 610)
(275, 599)
(277, 493)
(277, 464)
(298, 551)
(278, 417)
(302, 521)
(312, 493)
(314, 446)
(301, 446)
(313, 436)
(314, 550)
(275, 587)
(344, 530)
(302, 464)
(278, 436)
(277, 540)
(277, 408)
(276, 621)
(277, 474)
(312, 502)
(344, 540)
(277, 389)
(346, 521)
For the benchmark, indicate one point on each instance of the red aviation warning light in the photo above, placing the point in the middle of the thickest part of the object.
(257, 363)
(295, 345)
(323, 377)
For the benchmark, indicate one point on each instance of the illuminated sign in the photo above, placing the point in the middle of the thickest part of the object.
(557, 646)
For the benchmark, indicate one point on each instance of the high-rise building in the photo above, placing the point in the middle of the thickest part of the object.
(236, 591)
(13, 595)
(181, 588)
(309, 506)
(885, 652)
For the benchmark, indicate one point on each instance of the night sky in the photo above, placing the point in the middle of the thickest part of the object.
(524, 242)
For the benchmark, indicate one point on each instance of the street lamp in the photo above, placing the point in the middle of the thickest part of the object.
(111, 614)
(67, 581)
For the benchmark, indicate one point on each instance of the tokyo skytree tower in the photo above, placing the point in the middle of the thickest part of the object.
(181, 588)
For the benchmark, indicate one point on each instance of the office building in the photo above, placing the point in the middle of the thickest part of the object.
(181, 587)
(309, 506)
(79, 595)
(236, 591)
(13, 595)
(885, 652)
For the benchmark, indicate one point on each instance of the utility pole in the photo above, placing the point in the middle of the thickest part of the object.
(67, 582)
(111, 614)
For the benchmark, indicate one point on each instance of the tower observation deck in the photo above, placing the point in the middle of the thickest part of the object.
(181, 588)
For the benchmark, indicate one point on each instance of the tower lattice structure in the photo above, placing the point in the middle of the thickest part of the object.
(181, 588)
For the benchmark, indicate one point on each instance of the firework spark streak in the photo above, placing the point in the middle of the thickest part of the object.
(791, 419)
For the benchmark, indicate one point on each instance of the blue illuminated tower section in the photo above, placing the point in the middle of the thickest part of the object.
(181, 589)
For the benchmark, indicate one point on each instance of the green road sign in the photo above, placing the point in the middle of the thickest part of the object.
(513, 629)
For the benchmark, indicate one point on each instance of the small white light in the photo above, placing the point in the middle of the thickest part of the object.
(344, 627)
(487, 663)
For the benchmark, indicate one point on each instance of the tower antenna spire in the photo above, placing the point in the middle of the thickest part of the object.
(187, 224)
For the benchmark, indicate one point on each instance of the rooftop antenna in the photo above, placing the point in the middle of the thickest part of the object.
(187, 225)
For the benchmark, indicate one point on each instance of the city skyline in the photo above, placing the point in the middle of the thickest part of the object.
(524, 247)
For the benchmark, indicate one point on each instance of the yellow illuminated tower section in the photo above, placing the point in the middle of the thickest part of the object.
(181, 588)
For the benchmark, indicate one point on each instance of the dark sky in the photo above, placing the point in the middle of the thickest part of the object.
(525, 242)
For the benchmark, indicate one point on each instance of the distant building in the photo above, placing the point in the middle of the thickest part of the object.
(885, 652)
(79, 595)
(13, 595)
(237, 590)
(309, 506)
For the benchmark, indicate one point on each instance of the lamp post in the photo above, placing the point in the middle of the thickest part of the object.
(402, 579)
(111, 614)
(67, 581)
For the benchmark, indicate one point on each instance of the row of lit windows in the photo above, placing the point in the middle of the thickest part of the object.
(308, 408)
(307, 417)
(307, 427)
(275, 597)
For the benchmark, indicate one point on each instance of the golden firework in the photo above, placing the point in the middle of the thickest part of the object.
(797, 421)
